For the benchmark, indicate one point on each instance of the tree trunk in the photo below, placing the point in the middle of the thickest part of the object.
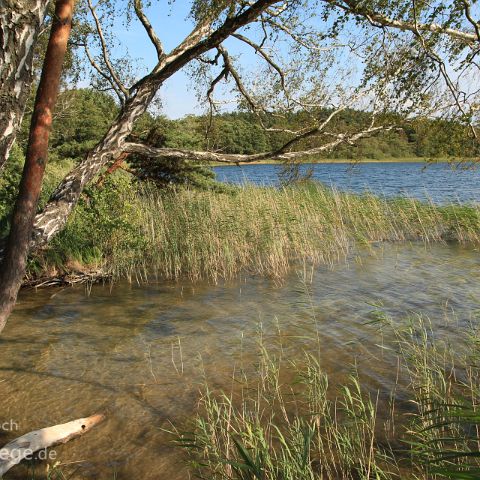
(20, 23)
(53, 218)
(16, 251)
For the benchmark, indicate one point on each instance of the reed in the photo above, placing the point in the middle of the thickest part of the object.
(140, 231)
(283, 419)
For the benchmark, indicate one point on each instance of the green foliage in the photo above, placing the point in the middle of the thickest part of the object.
(185, 133)
(9, 182)
(168, 172)
(80, 122)
(106, 224)
(84, 115)
(238, 133)
(171, 172)
(128, 228)
(81, 118)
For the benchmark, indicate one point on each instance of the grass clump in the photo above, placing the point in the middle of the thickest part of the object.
(276, 430)
(128, 229)
(284, 420)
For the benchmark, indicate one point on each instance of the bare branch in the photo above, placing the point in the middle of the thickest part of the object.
(195, 44)
(313, 131)
(97, 68)
(280, 154)
(148, 28)
(238, 81)
(106, 57)
(223, 74)
(215, 81)
(268, 59)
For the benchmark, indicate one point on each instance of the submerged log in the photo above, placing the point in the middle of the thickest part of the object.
(26, 445)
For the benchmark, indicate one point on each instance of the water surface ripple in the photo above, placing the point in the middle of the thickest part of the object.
(439, 182)
(141, 352)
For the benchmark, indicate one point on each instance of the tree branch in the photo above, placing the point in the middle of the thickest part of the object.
(352, 6)
(97, 68)
(266, 57)
(26, 445)
(280, 154)
(193, 46)
(148, 28)
(228, 65)
(106, 57)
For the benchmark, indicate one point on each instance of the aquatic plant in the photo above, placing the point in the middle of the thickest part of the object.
(137, 231)
(283, 420)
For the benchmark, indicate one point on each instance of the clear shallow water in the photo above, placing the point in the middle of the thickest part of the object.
(437, 182)
(141, 352)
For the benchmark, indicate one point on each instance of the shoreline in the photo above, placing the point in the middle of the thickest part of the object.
(297, 215)
(347, 161)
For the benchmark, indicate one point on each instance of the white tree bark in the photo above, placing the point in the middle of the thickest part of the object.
(49, 222)
(282, 154)
(20, 23)
(26, 445)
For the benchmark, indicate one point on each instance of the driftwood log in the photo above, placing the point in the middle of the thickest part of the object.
(26, 445)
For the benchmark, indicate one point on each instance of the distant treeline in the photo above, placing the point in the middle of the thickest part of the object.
(84, 115)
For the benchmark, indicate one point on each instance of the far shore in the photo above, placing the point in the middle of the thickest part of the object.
(352, 161)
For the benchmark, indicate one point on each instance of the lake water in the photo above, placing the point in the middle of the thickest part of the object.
(141, 353)
(438, 182)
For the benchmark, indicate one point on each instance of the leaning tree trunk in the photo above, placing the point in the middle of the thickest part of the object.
(53, 218)
(20, 23)
(55, 214)
(15, 257)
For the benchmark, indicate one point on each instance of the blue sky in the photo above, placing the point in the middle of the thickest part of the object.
(172, 25)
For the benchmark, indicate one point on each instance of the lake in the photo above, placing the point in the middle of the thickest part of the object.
(142, 352)
(437, 182)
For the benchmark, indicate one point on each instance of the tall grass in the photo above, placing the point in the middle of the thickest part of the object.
(140, 231)
(283, 420)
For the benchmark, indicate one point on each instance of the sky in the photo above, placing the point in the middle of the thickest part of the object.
(172, 25)
(170, 19)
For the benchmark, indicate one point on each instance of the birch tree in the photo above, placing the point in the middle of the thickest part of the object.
(398, 44)
(20, 25)
(314, 56)
(215, 23)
